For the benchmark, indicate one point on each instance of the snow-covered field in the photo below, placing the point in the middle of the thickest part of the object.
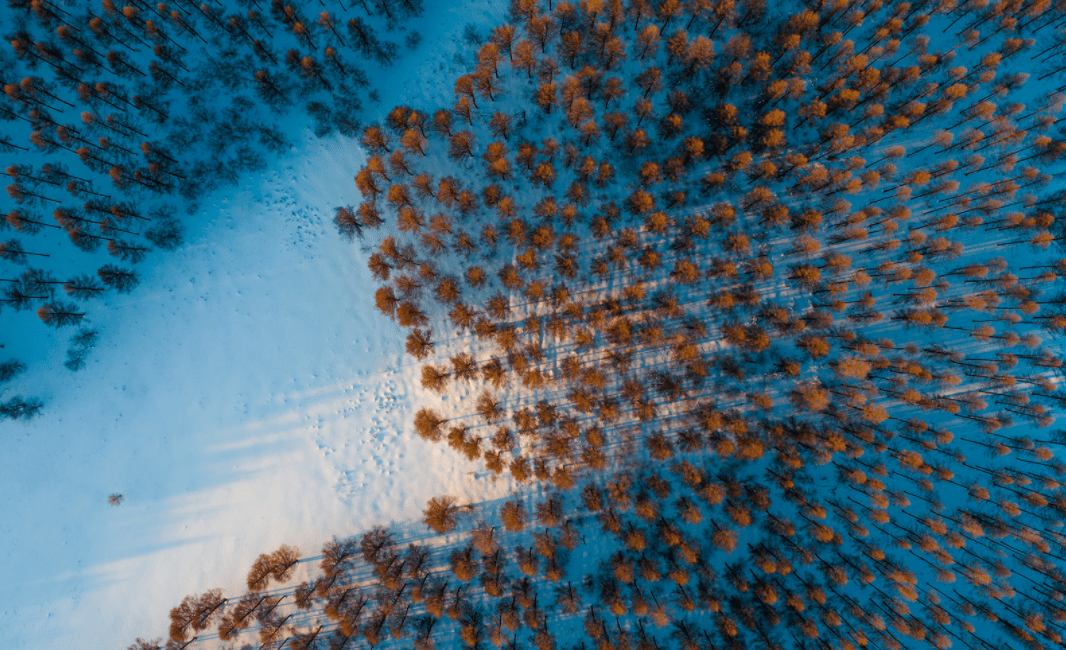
(246, 395)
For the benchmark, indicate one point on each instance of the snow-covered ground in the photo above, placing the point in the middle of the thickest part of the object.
(246, 395)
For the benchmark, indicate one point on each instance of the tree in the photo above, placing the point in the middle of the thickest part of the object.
(463, 563)
(419, 344)
(528, 562)
(272, 90)
(384, 298)
(195, 614)
(514, 516)
(440, 514)
(408, 314)
(484, 539)
(11, 369)
(375, 546)
(278, 565)
(461, 145)
(284, 561)
(427, 424)
(347, 223)
(272, 628)
(165, 233)
(306, 640)
(60, 314)
(239, 616)
(20, 408)
(126, 251)
(413, 141)
(810, 396)
(337, 556)
(27, 223)
(12, 251)
(119, 279)
(434, 378)
(80, 345)
(503, 37)
(501, 125)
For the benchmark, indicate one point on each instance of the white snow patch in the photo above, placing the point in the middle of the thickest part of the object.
(245, 396)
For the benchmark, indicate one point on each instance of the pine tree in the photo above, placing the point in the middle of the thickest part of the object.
(347, 223)
(126, 251)
(195, 614)
(278, 566)
(60, 314)
(119, 279)
(440, 514)
(12, 251)
(419, 344)
(514, 517)
(464, 563)
(20, 408)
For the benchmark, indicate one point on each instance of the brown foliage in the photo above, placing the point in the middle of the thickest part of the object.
(514, 516)
(195, 614)
(440, 514)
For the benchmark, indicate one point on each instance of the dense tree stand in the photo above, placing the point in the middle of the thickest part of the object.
(757, 304)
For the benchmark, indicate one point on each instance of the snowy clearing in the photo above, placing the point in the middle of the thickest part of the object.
(246, 395)
(243, 397)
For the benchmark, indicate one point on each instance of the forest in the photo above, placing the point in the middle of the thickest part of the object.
(118, 120)
(759, 303)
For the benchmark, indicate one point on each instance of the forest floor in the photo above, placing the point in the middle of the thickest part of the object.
(246, 395)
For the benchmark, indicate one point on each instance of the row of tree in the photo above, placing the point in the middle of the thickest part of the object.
(376, 587)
